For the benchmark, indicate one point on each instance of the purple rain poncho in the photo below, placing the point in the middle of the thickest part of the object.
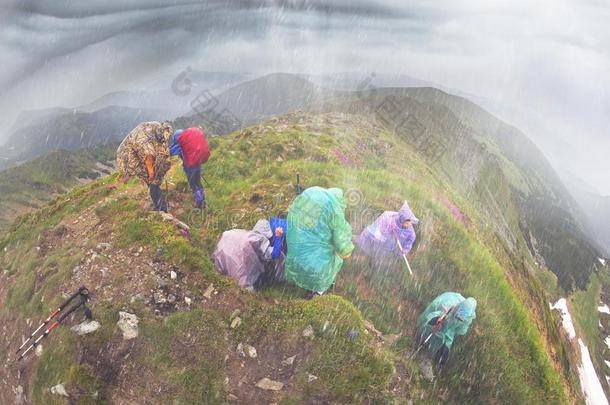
(378, 239)
(243, 255)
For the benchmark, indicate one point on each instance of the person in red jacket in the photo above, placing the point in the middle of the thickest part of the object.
(190, 144)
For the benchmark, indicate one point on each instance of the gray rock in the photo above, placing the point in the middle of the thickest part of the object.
(188, 301)
(209, 291)
(269, 385)
(246, 350)
(427, 370)
(128, 323)
(173, 275)
(311, 378)
(19, 397)
(104, 246)
(159, 298)
(235, 322)
(308, 332)
(171, 298)
(289, 361)
(85, 327)
(60, 390)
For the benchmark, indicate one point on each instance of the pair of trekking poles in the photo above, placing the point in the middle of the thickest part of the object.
(81, 293)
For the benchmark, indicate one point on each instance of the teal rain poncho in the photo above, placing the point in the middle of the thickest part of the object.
(318, 236)
(461, 312)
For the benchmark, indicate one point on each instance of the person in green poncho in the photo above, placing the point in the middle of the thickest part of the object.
(318, 239)
(450, 314)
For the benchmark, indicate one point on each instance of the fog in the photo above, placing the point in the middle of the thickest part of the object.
(542, 66)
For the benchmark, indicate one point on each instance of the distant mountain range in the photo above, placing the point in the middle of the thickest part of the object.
(34, 183)
(595, 210)
(70, 130)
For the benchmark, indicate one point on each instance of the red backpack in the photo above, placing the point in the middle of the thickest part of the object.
(195, 149)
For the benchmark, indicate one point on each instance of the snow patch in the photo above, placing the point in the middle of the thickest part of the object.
(602, 261)
(591, 386)
(566, 318)
(604, 309)
(607, 363)
(589, 382)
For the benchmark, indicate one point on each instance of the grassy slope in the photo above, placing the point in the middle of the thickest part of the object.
(35, 183)
(492, 165)
(503, 360)
(583, 308)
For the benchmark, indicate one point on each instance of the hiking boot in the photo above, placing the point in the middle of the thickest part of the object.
(199, 197)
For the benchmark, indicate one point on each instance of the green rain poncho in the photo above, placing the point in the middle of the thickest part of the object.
(318, 235)
(461, 313)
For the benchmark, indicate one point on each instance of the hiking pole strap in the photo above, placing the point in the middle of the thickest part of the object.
(71, 310)
(82, 291)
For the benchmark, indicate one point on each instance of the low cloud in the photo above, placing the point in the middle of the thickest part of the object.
(549, 58)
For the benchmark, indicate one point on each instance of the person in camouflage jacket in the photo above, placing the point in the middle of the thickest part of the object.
(144, 153)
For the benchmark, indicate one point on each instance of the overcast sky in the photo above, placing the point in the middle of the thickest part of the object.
(545, 63)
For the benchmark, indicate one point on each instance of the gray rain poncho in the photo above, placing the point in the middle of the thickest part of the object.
(245, 255)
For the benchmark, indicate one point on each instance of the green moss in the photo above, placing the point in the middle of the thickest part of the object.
(58, 365)
(347, 367)
(186, 353)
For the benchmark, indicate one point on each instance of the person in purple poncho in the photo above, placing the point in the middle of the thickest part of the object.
(378, 240)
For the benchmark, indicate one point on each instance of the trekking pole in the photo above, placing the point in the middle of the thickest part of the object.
(82, 302)
(437, 327)
(404, 255)
(166, 195)
(298, 189)
(205, 181)
(81, 290)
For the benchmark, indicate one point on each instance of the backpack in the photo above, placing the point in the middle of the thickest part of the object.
(194, 146)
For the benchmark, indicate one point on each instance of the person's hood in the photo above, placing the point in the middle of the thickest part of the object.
(337, 194)
(466, 310)
(164, 132)
(176, 135)
(264, 228)
(406, 213)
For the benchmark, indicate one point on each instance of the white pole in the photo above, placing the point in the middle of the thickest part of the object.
(404, 256)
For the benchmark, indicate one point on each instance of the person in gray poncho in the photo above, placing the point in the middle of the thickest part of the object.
(245, 256)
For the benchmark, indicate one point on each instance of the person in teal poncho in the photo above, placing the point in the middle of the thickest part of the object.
(450, 314)
(318, 239)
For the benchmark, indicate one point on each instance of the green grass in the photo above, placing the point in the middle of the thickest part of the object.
(194, 339)
(34, 183)
(583, 308)
(251, 175)
(58, 365)
(346, 367)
